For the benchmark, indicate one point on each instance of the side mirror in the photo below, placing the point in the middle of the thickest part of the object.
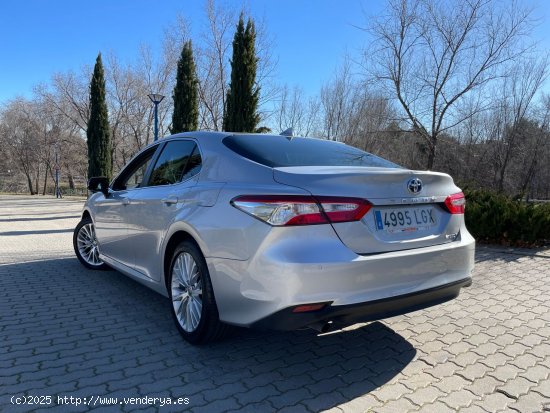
(99, 184)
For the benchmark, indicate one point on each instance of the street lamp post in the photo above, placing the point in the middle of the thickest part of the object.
(156, 98)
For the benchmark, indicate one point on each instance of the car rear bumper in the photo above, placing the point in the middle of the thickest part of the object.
(287, 319)
(313, 266)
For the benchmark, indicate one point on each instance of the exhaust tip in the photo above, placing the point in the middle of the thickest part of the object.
(321, 327)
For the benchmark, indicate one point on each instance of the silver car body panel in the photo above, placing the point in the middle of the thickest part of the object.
(150, 212)
(257, 269)
(321, 269)
(108, 216)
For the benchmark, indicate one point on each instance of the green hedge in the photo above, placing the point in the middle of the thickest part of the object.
(495, 218)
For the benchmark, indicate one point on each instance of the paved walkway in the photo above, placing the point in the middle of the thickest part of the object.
(99, 337)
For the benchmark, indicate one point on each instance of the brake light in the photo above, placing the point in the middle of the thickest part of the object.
(288, 210)
(344, 209)
(456, 203)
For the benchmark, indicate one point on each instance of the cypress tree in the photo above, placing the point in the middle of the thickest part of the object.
(98, 132)
(241, 111)
(186, 107)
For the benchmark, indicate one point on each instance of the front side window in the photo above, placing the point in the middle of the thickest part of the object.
(178, 161)
(132, 176)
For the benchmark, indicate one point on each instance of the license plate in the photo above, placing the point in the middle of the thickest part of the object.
(404, 219)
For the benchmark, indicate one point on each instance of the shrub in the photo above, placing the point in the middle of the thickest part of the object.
(496, 218)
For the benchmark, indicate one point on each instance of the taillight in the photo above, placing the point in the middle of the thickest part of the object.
(456, 203)
(344, 209)
(287, 210)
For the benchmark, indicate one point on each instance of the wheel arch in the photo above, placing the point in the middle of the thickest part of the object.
(176, 237)
(86, 214)
(212, 329)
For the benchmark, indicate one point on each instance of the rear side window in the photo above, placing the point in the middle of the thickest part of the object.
(280, 151)
(178, 160)
(193, 164)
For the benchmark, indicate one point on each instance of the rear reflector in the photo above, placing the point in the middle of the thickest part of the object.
(289, 210)
(308, 308)
(456, 203)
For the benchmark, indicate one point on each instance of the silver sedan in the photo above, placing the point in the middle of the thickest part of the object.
(277, 232)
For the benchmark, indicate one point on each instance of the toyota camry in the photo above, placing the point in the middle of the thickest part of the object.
(277, 232)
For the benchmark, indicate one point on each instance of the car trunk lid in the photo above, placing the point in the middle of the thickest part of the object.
(407, 206)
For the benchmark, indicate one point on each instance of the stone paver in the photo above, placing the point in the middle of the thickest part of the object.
(67, 331)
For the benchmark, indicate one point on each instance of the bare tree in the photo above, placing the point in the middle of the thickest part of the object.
(213, 53)
(130, 109)
(266, 78)
(69, 94)
(536, 138)
(335, 101)
(369, 117)
(33, 136)
(19, 132)
(430, 55)
(536, 180)
(297, 112)
(354, 112)
(213, 64)
(517, 94)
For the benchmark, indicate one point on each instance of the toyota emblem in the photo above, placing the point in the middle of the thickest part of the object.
(414, 185)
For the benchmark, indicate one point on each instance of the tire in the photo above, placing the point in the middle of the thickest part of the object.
(192, 298)
(85, 245)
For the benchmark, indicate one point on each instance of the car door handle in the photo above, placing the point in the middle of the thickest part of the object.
(170, 200)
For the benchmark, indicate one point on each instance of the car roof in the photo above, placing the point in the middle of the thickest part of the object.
(200, 134)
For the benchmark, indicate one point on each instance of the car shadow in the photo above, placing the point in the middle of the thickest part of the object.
(36, 232)
(98, 331)
(50, 218)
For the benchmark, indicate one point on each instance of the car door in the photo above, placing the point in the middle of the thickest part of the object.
(111, 212)
(154, 206)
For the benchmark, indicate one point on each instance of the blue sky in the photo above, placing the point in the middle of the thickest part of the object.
(41, 37)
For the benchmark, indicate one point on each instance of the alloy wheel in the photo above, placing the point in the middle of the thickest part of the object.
(87, 245)
(187, 292)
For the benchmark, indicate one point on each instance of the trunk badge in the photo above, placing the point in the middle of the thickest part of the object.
(414, 185)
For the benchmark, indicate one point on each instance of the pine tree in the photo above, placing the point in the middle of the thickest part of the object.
(241, 111)
(186, 107)
(98, 132)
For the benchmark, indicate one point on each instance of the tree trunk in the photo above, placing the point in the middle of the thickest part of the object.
(29, 182)
(113, 157)
(529, 179)
(45, 180)
(502, 174)
(431, 152)
(37, 180)
(71, 181)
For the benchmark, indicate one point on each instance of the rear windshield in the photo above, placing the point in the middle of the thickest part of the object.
(280, 151)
